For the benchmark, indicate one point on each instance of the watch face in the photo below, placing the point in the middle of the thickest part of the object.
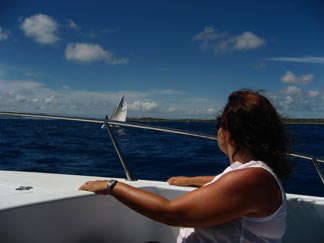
(110, 185)
(111, 182)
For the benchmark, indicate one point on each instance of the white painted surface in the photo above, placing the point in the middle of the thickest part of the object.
(56, 211)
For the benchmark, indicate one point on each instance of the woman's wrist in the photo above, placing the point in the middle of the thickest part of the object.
(110, 186)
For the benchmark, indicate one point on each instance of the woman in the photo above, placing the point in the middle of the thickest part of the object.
(245, 203)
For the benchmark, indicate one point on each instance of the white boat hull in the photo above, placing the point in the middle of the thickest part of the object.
(56, 211)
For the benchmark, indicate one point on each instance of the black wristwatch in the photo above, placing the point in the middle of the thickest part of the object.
(110, 185)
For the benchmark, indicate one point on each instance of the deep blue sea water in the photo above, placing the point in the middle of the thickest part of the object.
(85, 149)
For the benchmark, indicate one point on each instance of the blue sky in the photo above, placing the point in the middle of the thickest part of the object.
(171, 59)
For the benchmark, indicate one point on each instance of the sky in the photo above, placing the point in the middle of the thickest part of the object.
(171, 59)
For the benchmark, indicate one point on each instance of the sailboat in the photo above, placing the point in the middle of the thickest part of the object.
(120, 112)
(42, 207)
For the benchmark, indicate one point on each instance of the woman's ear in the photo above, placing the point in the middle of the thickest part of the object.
(227, 136)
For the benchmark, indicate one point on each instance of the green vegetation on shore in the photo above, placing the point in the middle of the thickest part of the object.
(303, 121)
(154, 119)
(287, 120)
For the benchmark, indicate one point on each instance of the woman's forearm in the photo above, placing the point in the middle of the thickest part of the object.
(146, 203)
(143, 202)
(196, 181)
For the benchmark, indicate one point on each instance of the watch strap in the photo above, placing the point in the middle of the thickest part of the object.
(110, 185)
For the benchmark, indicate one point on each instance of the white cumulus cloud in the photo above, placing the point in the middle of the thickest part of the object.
(291, 90)
(247, 41)
(296, 102)
(143, 106)
(291, 78)
(88, 52)
(221, 42)
(41, 28)
(313, 93)
(32, 96)
(36, 97)
(209, 33)
(85, 52)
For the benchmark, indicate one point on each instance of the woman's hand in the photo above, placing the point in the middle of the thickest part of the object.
(99, 187)
(179, 181)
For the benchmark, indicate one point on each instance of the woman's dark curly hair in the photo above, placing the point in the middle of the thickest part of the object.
(255, 124)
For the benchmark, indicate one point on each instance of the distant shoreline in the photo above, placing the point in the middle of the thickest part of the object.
(155, 119)
(304, 121)
(286, 121)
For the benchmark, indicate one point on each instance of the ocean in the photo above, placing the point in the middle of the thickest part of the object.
(78, 148)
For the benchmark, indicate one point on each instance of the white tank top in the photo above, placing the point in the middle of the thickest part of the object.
(244, 229)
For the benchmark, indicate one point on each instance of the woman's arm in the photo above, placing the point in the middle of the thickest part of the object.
(250, 192)
(196, 181)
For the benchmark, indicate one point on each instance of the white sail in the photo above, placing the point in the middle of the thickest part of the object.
(120, 112)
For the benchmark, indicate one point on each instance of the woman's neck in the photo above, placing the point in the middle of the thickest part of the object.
(244, 155)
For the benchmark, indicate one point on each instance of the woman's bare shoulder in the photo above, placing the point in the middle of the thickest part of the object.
(256, 186)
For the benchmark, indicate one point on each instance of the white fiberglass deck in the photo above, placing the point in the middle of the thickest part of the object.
(54, 210)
